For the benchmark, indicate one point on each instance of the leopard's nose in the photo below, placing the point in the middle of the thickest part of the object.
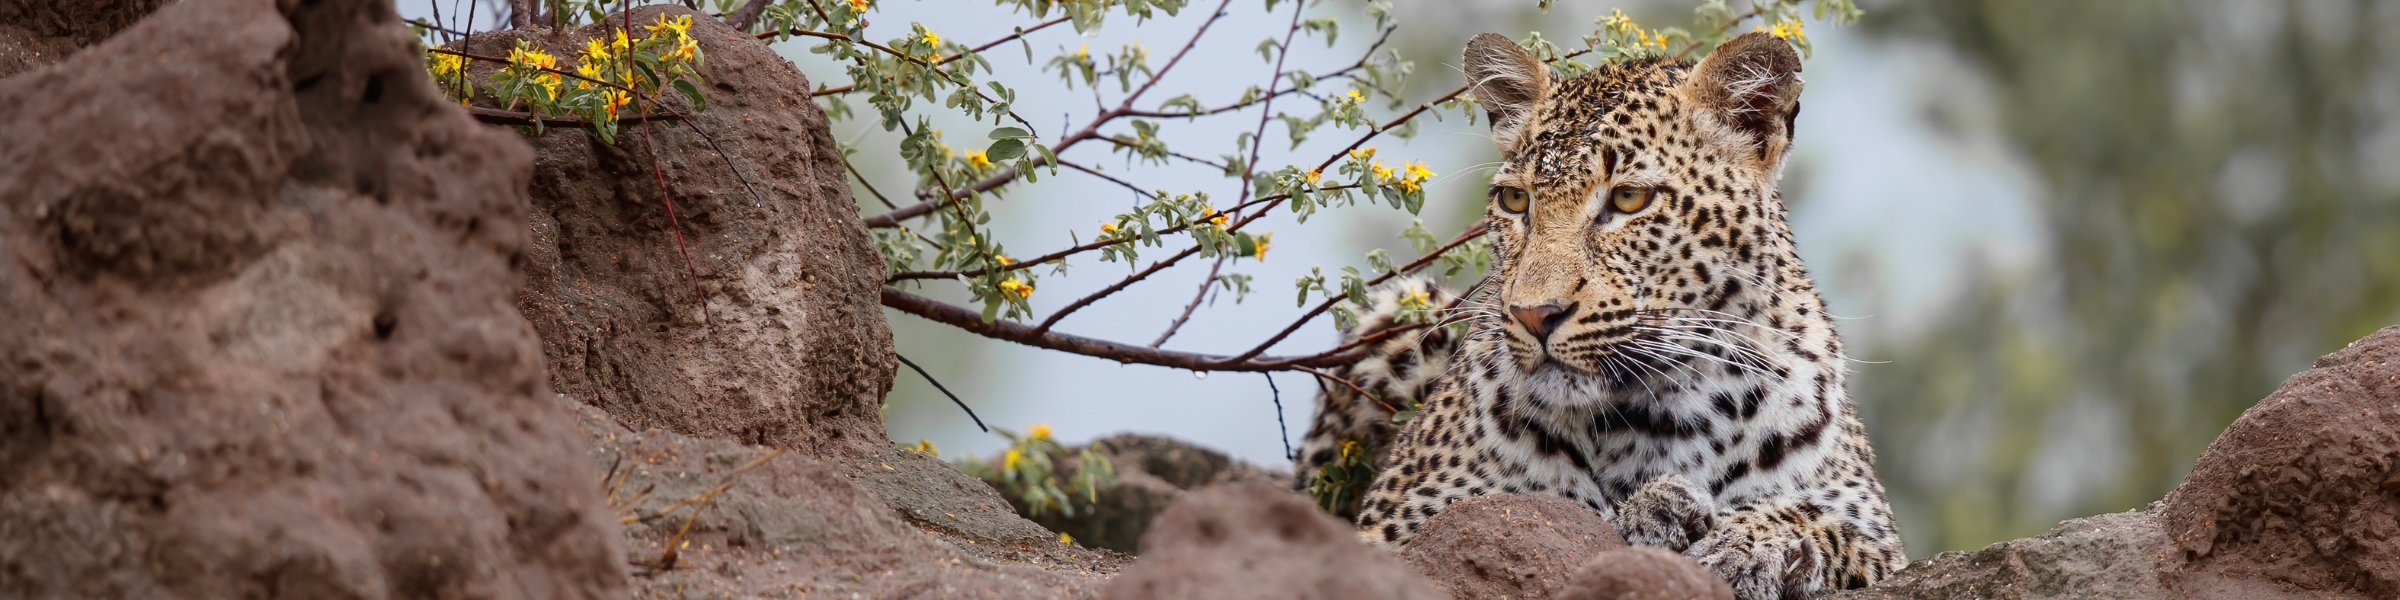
(1542, 319)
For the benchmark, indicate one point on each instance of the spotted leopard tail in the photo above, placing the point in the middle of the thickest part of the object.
(1347, 437)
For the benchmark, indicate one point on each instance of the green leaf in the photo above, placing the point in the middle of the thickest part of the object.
(1007, 149)
(1008, 132)
(692, 93)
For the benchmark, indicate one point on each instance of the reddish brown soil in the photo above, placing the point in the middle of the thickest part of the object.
(259, 337)
(1509, 546)
(792, 351)
(2303, 492)
(1257, 540)
(1642, 573)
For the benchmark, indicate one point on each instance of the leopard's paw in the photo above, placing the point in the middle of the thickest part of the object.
(1668, 512)
(1759, 560)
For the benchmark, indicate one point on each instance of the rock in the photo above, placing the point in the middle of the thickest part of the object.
(1642, 573)
(2107, 556)
(1512, 546)
(2302, 492)
(794, 524)
(793, 350)
(260, 339)
(1257, 540)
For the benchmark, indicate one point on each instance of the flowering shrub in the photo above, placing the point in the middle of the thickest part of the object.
(1028, 473)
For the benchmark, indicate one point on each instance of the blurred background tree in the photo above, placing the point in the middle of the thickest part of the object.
(2217, 207)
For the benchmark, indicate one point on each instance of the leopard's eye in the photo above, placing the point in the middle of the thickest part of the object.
(1512, 199)
(1629, 199)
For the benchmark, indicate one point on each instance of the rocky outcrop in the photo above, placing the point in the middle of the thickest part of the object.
(774, 334)
(2108, 556)
(260, 340)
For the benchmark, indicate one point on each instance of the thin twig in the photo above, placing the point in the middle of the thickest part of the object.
(1298, 8)
(937, 384)
(1284, 430)
(666, 560)
(1087, 247)
(1362, 392)
(934, 66)
(1089, 131)
(1463, 237)
(522, 118)
(1205, 283)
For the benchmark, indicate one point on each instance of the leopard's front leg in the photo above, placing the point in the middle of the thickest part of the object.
(1766, 550)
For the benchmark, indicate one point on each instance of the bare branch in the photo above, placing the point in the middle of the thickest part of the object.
(1205, 283)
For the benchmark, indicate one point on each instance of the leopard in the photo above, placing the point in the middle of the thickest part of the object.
(1647, 342)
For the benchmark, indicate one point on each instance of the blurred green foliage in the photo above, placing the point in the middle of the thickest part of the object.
(2216, 216)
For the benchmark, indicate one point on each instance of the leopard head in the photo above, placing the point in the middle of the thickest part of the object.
(1630, 196)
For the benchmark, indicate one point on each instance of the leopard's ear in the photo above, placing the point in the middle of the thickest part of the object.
(1507, 81)
(1750, 88)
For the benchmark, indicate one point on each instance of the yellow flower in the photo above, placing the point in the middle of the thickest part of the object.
(1004, 260)
(1416, 297)
(1009, 461)
(1107, 228)
(615, 99)
(931, 40)
(1084, 52)
(1262, 242)
(1349, 447)
(925, 447)
(1355, 98)
(1063, 538)
(587, 70)
(686, 50)
(1019, 289)
(1211, 215)
(977, 160)
(445, 65)
(1414, 178)
(1363, 153)
(858, 6)
(1040, 431)
(595, 50)
(1382, 172)
(1312, 175)
(622, 44)
(678, 25)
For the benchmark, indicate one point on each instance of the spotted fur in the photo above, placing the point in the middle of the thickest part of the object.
(1669, 366)
(1394, 370)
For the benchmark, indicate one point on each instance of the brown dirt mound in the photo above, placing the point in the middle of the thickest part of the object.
(2304, 490)
(794, 351)
(1256, 540)
(259, 339)
(1509, 546)
(78, 23)
(1642, 573)
(798, 526)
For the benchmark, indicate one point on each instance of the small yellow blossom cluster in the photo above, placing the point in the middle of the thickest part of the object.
(449, 70)
(1788, 30)
(1017, 287)
(685, 49)
(978, 161)
(1261, 243)
(1410, 178)
(1623, 30)
(531, 62)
